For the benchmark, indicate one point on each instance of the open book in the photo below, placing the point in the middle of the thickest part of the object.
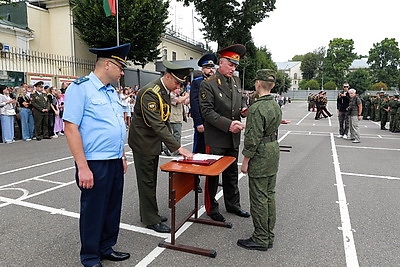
(199, 159)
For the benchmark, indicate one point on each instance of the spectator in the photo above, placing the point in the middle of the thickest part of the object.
(53, 110)
(124, 97)
(342, 104)
(177, 114)
(25, 113)
(41, 108)
(58, 123)
(354, 111)
(7, 113)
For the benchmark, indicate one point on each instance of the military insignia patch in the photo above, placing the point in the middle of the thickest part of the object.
(203, 95)
(152, 106)
(219, 82)
(81, 80)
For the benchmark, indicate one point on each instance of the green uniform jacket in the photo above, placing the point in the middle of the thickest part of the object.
(263, 119)
(220, 105)
(148, 129)
(40, 102)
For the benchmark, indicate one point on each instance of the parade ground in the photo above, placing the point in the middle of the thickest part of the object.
(337, 204)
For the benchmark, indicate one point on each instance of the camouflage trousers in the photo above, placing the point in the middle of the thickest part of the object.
(262, 208)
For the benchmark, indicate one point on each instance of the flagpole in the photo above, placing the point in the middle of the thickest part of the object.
(116, 3)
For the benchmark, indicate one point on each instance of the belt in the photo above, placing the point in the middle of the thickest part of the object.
(270, 138)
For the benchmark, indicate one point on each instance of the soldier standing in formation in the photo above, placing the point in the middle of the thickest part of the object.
(41, 107)
(261, 161)
(149, 128)
(221, 107)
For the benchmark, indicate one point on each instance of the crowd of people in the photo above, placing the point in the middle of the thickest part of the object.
(35, 110)
(318, 103)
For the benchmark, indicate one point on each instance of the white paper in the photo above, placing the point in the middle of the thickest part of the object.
(200, 156)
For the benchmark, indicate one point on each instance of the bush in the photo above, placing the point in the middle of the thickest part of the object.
(330, 86)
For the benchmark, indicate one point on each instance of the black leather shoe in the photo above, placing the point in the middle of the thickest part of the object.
(217, 217)
(163, 218)
(270, 245)
(199, 189)
(241, 213)
(96, 265)
(116, 256)
(46, 137)
(250, 244)
(159, 227)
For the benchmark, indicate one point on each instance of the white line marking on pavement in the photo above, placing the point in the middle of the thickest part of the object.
(48, 181)
(371, 176)
(303, 118)
(284, 136)
(35, 165)
(373, 148)
(330, 122)
(348, 239)
(380, 136)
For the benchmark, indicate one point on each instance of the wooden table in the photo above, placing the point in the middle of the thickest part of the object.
(182, 180)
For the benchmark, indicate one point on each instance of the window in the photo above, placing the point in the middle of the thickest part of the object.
(165, 54)
(295, 76)
(173, 55)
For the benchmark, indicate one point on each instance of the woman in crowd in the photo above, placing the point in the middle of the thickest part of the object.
(59, 124)
(25, 113)
(7, 113)
(124, 96)
(53, 111)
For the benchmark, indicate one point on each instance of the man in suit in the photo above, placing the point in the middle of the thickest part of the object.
(221, 107)
(207, 63)
(149, 128)
(95, 131)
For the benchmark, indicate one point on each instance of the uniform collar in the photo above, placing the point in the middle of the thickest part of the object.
(98, 84)
(164, 86)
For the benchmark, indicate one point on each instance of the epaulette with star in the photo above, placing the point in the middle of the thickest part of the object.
(81, 80)
(211, 78)
(156, 88)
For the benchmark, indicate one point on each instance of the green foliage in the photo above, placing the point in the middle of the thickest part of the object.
(379, 86)
(312, 85)
(229, 21)
(141, 22)
(359, 80)
(338, 59)
(297, 58)
(311, 64)
(384, 58)
(302, 85)
(282, 83)
(330, 86)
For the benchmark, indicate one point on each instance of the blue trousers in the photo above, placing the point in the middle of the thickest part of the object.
(7, 128)
(100, 210)
(27, 123)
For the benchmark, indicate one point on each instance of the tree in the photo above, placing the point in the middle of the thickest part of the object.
(312, 85)
(282, 83)
(379, 86)
(230, 21)
(330, 86)
(297, 58)
(311, 63)
(338, 59)
(359, 80)
(384, 58)
(142, 23)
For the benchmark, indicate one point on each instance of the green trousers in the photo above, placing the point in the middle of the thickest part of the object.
(146, 174)
(262, 208)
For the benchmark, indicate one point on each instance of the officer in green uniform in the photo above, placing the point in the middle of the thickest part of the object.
(396, 128)
(221, 106)
(367, 109)
(149, 127)
(261, 161)
(41, 107)
(394, 104)
(384, 106)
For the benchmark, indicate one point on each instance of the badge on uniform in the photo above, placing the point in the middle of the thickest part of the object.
(152, 106)
(219, 82)
(203, 95)
(220, 94)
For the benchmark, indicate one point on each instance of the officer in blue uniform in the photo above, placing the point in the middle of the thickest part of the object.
(95, 131)
(207, 63)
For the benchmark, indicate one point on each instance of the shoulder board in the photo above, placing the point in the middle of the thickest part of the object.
(198, 78)
(81, 80)
(156, 88)
(211, 78)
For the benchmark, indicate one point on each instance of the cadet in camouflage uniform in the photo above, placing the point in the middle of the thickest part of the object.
(261, 161)
(150, 127)
(41, 107)
(394, 104)
(396, 128)
(367, 109)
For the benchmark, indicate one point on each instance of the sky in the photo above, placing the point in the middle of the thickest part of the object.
(298, 27)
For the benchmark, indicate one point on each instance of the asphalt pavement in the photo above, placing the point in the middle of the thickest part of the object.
(337, 204)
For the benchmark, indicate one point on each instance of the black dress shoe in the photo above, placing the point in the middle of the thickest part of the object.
(46, 137)
(217, 217)
(97, 265)
(199, 189)
(116, 256)
(163, 218)
(160, 227)
(241, 213)
(250, 244)
(270, 245)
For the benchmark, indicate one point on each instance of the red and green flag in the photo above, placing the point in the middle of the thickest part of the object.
(110, 7)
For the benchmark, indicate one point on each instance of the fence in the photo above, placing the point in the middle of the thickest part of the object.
(20, 60)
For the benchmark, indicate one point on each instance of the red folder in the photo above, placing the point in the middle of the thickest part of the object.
(205, 162)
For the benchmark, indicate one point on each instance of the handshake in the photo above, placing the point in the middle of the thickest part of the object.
(236, 126)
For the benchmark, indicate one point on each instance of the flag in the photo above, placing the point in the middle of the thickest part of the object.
(109, 7)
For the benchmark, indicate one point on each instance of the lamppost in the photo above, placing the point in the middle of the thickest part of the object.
(245, 64)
